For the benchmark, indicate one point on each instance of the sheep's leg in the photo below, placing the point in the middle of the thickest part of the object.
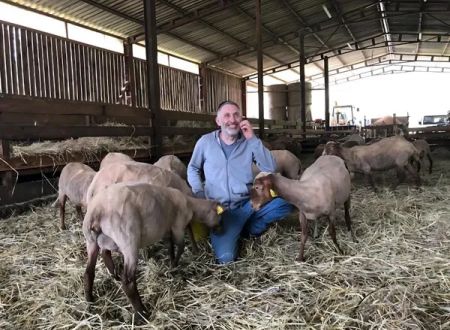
(304, 237)
(415, 174)
(129, 282)
(178, 240)
(62, 213)
(430, 170)
(316, 229)
(400, 178)
(89, 274)
(369, 177)
(332, 231)
(192, 238)
(107, 259)
(171, 250)
(348, 220)
(79, 212)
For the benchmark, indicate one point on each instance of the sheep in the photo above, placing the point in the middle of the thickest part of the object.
(129, 216)
(73, 184)
(424, 150)
(136, 172)
(115, 157)
(319, 150)
(352, 140)
(286, 143)
(287, 164)
(323, 186)
(392, 152)
(139, 172)
(174, 164)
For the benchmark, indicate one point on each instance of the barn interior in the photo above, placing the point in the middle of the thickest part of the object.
(67, 100)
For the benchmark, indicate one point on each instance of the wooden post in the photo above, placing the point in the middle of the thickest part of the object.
(202, 86)
(394, 124)
(302, 84)
(151, 52)
(260, 68)
(327, 94)
(244, 97)
(5, 154)
(130, 92)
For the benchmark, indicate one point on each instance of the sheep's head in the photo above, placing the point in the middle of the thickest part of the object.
(213, 216)
(262, 191)
(333, 148)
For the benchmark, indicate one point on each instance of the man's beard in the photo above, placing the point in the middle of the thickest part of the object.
(231, 131)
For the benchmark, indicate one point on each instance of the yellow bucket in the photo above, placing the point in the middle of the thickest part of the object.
(200, 230)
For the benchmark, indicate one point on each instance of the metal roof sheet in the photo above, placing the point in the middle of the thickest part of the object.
(222, 33)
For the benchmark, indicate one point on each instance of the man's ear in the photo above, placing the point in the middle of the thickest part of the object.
(217, 121)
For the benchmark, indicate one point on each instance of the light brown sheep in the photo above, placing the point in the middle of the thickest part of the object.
(127, 217)
(174, 164)
(136, 172)
(73, 184)
(114, 157)
(424, 150)
(287, 164)
(392, 152)
(323, 186)
(139, 172)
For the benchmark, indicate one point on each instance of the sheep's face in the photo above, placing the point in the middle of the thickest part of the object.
(261, 194)
(332, 148)
(214, 217)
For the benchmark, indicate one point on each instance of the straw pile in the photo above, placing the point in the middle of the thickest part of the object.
(396, 277)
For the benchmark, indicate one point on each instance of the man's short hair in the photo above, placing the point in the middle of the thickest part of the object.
(225, 103)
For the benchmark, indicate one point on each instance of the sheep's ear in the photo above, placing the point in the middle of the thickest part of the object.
(219, 209)
(273, 193)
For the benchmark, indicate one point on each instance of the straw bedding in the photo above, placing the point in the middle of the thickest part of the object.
(396, 277)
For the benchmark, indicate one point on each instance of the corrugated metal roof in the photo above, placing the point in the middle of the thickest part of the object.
(222, 33)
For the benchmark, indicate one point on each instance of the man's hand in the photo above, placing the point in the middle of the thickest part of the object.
(246, 129)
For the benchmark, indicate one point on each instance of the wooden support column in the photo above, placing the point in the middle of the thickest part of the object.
(327, 93)
(260, 68)
(130, 92)
(6, 178)
(244, 97)
(302, 84)
(202, 86)
(151, 52)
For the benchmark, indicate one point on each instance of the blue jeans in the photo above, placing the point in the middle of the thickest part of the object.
(245, 218)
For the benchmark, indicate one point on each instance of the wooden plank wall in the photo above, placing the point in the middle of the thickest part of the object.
(42, 65)
(220, 87)
(37, 64)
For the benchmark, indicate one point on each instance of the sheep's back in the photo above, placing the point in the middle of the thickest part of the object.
(143, 211)
(330, 171)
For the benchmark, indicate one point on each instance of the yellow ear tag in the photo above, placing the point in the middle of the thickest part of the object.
(219, 209)
(273, 193)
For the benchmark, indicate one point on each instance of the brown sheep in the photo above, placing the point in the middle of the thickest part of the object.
(136, 172)
(323, 186)
(114, 157)
(174, 164)
(392, 152)
(287, 164)
(73, 184)
(126, 217)
(424, 150)
(139, 172)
